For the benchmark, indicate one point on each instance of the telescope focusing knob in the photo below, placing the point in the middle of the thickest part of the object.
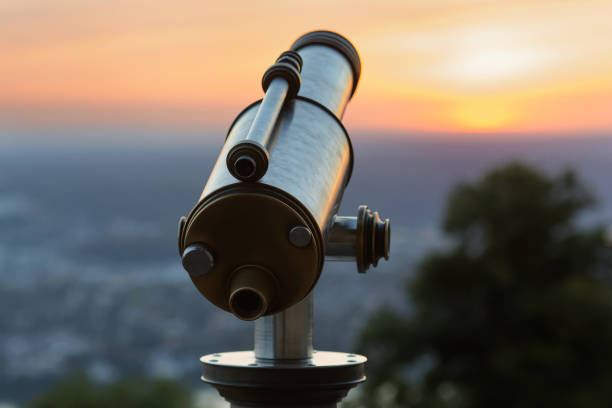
(373, 238)
(364, 238)
(288, 66)
(292, 58)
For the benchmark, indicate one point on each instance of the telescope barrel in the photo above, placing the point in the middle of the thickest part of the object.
(256, 241)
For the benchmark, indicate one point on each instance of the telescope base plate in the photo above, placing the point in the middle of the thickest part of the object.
(321, 381)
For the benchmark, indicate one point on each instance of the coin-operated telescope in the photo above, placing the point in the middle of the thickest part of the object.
(256, 241)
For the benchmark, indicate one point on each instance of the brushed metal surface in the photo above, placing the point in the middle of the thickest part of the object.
(331, 405)
(320, 360)
(327, 77)
(309, 159)
(341, 242)
(269, 109)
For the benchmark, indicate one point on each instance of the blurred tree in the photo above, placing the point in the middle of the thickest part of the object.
(517, 312)
(80, 392)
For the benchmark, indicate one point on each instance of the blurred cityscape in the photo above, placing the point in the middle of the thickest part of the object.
(90, 279)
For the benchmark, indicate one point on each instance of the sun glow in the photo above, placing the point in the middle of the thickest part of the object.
(488, 69)
(483, 116)
(491, 66)
(488, 55)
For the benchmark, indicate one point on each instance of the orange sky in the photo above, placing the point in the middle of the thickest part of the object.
(453, 66)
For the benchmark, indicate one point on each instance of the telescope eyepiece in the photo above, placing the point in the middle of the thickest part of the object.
(247, 304)
(248, 161)
(252, 289)
(245, 167)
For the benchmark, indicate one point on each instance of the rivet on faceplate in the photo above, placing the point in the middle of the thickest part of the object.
(300, 236)
(197, 259)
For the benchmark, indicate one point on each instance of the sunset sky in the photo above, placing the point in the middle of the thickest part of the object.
(433, 66)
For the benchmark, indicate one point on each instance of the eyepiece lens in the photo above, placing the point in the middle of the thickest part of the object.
(245, 166)
(247, 304)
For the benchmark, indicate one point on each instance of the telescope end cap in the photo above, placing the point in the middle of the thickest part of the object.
(336, 41)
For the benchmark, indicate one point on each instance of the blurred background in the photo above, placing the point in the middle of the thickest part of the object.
(112, 114)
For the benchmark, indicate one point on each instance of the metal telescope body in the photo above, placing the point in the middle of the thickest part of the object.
(256, 241)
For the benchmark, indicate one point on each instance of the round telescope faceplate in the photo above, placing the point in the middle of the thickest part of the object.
(252, 230)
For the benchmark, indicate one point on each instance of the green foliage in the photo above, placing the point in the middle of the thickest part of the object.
(517, 313)
(80, 392)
